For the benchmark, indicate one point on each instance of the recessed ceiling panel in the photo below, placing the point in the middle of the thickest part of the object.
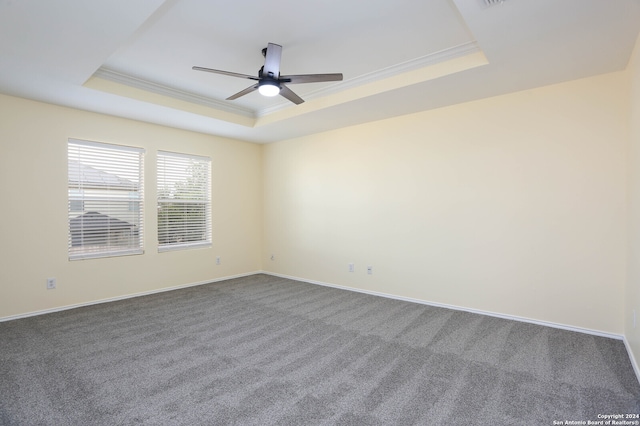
(133, 59)
(351, 37)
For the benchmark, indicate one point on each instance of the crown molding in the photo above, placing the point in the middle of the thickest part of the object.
(384, 73)
(148, 86)
(381, 74)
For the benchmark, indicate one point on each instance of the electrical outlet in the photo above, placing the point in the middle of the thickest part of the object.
(51, 283)
(218, 261)
(369, 270)
(352, 267)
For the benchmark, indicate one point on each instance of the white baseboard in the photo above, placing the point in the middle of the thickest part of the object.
(634, 363)
(632, 359)
(373, 293)
(128, 296)
(454, 307)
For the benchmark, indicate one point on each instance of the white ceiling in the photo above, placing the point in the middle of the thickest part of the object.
(133, 58)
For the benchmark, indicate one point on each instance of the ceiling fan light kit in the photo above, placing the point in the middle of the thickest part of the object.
(269, 88)
(270, 82)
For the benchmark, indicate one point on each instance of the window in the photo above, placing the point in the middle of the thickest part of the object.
(184, 201)
(105, 200)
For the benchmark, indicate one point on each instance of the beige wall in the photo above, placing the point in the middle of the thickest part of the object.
(632, 296)
(514, 205)
(33, 218)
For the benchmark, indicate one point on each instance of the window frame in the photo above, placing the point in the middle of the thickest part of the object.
(178, 163)
(104, 179)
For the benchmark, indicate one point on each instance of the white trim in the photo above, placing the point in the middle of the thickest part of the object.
(457, 308)
(184, 246)
(184, 155)
(632, 359)
(149, 86)
(107, 145)
(450, 53)
(447, 54)
(128, 296)
(423, 61)
(634, 363)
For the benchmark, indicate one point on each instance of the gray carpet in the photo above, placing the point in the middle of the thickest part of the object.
(263, 350)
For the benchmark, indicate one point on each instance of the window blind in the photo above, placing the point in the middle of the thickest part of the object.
(184, 201)
(105, 200)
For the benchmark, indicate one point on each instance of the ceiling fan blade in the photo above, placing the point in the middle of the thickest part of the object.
(310, 78)
(232, 74)
(288, 93)
(272, 61)
(243, 92)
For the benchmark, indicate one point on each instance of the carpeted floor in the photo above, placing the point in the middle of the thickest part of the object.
(263, 350)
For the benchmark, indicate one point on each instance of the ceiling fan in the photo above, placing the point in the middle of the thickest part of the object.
(269, 80)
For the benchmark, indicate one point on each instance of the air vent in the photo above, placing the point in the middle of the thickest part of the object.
(488, 3)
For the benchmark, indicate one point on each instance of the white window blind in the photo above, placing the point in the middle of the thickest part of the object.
(105, 203)
(184, 201)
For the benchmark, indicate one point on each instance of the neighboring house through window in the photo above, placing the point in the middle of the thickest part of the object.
(105, 200)
(184, 201)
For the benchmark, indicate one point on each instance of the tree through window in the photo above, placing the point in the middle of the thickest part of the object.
(184, 201)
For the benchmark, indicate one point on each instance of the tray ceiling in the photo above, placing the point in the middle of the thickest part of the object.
(134, 59)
